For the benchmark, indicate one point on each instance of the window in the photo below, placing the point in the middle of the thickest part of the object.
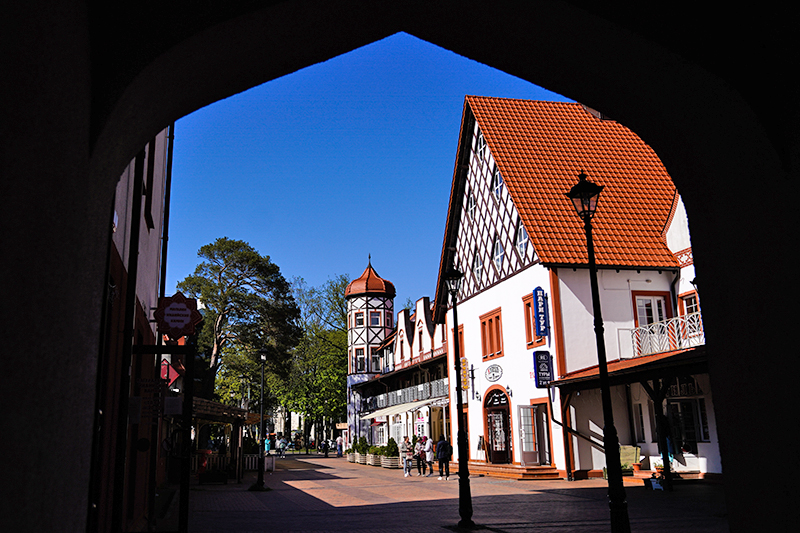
(361, 360)
(471, 207)
(499, 254)
(690, 304)
(374, 318)
(650, 309)
(497, 183)
(420, 341)
(477, 267)
(481, 147)
(360, 318)
(522, 239)
(492, 335)
(376, 359)
(531, 340)
(388, 319)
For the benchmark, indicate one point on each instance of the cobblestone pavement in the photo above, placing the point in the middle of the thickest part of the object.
(312, 494)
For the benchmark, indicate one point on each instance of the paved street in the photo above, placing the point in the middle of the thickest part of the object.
(312, 494)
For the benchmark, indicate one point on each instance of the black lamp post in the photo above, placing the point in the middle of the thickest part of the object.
(584, 197)
(453, 280)
(259, 484)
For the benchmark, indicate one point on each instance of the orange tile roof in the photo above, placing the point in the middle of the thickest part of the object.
(541, 147)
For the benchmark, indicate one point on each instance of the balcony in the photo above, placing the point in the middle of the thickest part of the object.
(677, 333)
(423, 391)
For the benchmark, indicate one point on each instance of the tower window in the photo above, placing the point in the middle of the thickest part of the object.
(374, 318)
(361, 360)
(360, 318)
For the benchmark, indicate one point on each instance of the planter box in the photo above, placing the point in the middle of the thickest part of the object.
(373, 460)
(351, 457)
(361, 459)
(390, 462)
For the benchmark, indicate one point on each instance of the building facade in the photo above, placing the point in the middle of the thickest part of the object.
(525, 311)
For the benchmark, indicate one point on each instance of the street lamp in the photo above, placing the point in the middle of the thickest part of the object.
(259, 484)
(453, 281)
(584, 197)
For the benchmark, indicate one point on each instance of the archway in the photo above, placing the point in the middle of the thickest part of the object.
(92, 84)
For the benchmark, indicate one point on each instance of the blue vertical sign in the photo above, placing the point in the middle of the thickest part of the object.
(540, 314)
(543, 368)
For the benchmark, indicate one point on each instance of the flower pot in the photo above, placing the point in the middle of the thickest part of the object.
(361, 458)
(373, 459)
(351, 457)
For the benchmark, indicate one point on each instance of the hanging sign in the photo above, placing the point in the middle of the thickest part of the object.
(540, 315)
(543, 368)
(177, 315)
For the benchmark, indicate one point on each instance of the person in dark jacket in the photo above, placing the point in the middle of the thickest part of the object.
(444, 451)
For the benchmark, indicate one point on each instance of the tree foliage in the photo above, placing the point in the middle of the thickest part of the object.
(248, 310)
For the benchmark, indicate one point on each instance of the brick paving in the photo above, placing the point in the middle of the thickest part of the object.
(312, 494)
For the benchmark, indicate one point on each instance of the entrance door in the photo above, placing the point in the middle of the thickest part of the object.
(534, 439)
(497, 427)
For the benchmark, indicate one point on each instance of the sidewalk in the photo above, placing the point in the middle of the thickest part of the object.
(312, 494)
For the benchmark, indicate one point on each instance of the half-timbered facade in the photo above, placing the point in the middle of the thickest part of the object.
(370, 319)
(525, 312)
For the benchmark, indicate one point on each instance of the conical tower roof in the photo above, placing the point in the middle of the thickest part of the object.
(370, 283)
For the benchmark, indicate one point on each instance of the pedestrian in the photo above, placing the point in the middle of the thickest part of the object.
(282, 447)
(407, 454)
(419, 454)
(428, 455)
(443, 452)
(339, 444)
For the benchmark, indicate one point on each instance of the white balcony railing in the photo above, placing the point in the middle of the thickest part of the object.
(669, 335)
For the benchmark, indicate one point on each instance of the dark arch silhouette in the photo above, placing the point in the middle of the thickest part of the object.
(86, 84)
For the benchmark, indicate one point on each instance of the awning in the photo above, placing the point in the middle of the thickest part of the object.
(399, 408)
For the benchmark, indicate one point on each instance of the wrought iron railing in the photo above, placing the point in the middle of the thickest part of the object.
(423, 391)
(674, 334)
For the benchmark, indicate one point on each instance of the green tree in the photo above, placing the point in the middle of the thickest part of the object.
(316, 385)
(248, 310)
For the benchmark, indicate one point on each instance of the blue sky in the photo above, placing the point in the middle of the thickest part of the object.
(343, 159)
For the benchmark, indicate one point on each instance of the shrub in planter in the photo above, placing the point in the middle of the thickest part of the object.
(391, 448)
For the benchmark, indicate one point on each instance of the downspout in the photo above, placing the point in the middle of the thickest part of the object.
(674, 293)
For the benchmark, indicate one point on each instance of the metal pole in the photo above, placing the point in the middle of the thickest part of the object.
(259, 484)
(464, 493)
(617, 501)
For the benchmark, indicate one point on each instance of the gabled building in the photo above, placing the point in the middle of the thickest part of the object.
(525, 311)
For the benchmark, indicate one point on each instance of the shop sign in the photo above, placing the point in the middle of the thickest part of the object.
(540, 314)
(177, 315)
(494, 373)
(543, 368)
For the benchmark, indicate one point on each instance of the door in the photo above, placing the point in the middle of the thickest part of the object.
(651, 314)
(534, 437)
(497, 428)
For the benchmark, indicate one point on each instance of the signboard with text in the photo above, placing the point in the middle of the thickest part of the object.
(540, 315)
(543, 368)
(177, 315)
